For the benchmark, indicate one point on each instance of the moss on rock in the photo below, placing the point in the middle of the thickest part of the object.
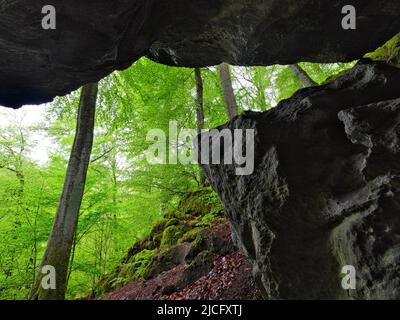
(197, 203)
(166, 260)
(199, 267)
(179, 238)
(192, 235)
(171, 235)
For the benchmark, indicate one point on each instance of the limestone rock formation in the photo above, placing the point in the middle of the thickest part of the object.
(94, 37)
(325, 192)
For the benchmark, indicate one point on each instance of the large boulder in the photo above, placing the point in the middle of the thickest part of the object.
(325, 192)
(94, 37)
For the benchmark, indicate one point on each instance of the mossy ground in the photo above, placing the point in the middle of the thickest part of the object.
(182, 230)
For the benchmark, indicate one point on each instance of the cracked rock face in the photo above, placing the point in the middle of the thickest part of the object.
(95, 37)
(325, 192)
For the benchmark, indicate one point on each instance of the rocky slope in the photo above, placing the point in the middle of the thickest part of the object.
(93, 38)
(326, 189)
(188, 255)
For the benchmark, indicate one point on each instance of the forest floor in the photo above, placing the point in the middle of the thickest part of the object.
(230, 278)
(189, 254)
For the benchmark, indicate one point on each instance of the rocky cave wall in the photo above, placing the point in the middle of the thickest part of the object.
(325, 192)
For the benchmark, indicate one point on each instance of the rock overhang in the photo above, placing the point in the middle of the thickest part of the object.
(94, 38)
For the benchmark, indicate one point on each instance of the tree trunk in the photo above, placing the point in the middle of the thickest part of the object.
(71, 260)
(304, 78)
(200, 113)
(227, 89)
(59, 246)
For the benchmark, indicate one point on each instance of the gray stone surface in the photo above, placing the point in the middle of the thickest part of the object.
(95, 37)
(326, 190)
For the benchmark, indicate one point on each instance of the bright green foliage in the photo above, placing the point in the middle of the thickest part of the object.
(323, 73)
(389, 52)
(261, 88)
(125, 196)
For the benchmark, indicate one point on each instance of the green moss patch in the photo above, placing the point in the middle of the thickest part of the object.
(178, 239)
(199, 267)
(171, 235)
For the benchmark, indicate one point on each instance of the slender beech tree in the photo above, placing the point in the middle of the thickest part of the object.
(60, 243)
(200, 112)
(227, 89)
(303, 76)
